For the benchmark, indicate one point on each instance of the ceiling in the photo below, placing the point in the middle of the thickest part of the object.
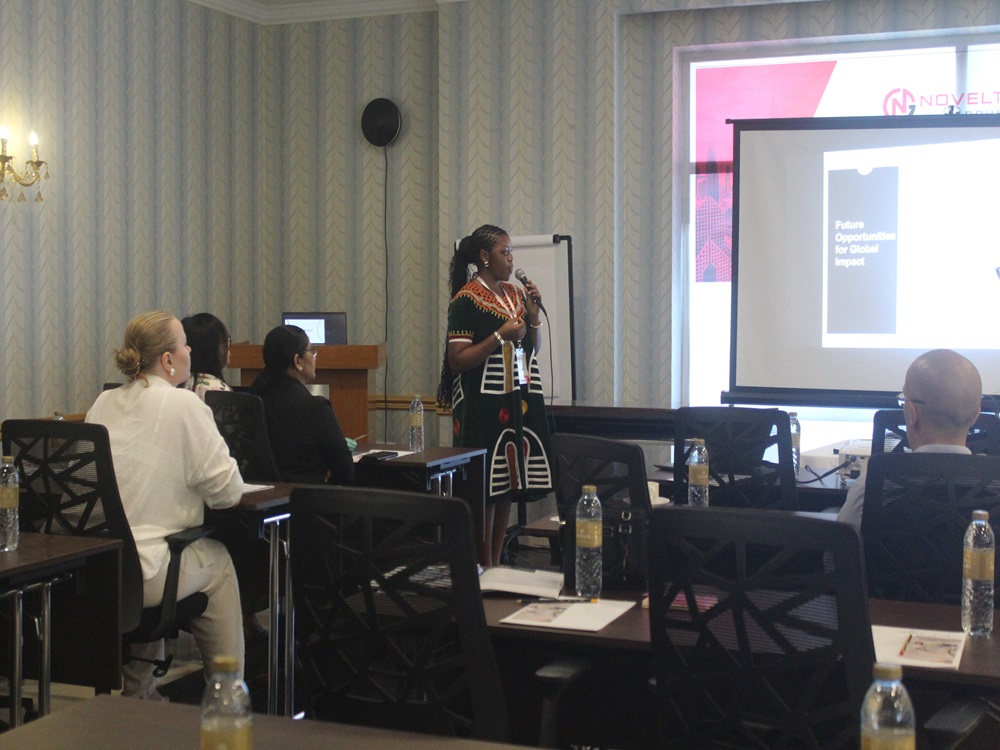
(299, 11)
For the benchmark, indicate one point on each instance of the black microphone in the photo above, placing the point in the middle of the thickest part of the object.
(521, 276)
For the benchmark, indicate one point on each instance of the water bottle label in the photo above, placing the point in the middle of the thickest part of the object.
(588, 534)
(417, 419)
(8, 497)
(237, 738)
(977, 564)
(901, 741)
(698, 474)
(796, 439)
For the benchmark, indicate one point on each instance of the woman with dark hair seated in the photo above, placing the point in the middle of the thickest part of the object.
(209, 341)
(306, 438)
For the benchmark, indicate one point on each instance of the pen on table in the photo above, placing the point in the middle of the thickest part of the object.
(902, 651)
(359, 437)
(552, 599)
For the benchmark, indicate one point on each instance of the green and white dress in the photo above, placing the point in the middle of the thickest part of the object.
(490, 409)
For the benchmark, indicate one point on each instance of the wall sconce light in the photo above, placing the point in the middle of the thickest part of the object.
(32, 168)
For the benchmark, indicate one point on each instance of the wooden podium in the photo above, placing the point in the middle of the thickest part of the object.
(348, 370)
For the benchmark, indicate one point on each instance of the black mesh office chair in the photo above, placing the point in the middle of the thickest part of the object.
(757, 643)
(741, 445)
(916, 510)
(390, 629)
(240, 419)
(889, 433)
(618, 470)
(68, 486)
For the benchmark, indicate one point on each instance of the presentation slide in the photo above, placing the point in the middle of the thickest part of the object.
(860, 243)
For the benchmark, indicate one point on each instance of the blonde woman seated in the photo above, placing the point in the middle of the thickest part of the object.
(170, 462)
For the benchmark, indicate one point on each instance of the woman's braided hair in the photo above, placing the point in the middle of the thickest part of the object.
(466, 255)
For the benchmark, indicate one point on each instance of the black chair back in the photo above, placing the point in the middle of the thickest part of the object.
(917, 507)
(889, 433)
(759, 627)
(741, 443)
(389, 624)
(68, 486)
(618, 470)
(241, 421)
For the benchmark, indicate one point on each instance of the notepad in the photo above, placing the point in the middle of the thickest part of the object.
(937, 649)
(590, 616)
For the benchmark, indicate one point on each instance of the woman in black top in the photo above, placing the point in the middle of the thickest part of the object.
(306, 438)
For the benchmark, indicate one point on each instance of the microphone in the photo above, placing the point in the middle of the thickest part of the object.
(521, 276)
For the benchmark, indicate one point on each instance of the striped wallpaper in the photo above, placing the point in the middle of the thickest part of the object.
(203, 162)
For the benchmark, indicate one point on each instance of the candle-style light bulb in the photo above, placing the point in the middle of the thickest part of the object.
(3, 138)
(33, 140)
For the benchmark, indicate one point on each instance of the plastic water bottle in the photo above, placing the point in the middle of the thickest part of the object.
(977, 575)
(589, 530)
(697, 467)
(226, 719)
(887, 718)
(10, 485)
(416, 424)
(796, 428)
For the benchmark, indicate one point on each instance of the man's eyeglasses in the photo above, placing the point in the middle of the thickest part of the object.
(902, 399)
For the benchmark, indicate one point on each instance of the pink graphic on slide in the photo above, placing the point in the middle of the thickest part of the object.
(741, 92)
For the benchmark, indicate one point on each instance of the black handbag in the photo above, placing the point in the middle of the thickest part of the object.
(624, 548)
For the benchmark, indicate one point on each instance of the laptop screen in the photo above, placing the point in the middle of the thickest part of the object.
(320, 327)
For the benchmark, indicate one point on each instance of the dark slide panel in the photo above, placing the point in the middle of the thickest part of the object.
(863, 212)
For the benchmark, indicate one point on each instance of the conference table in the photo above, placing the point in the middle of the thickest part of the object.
(116, 723)
(264, 513)
(622, 656)
(83, 574)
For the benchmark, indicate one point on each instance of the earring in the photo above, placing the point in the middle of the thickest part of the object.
(300, 368)
(172, 372)
(486, 264)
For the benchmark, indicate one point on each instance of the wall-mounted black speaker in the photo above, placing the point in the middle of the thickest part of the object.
(380, 122)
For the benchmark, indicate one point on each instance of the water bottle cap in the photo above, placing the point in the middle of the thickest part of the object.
(977, 515)
(592, 488)
(698, 441)
(885, 671)
(224, 663)
(792, 413)
(8, 459)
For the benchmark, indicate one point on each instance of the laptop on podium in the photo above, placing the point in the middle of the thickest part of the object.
(321, 327)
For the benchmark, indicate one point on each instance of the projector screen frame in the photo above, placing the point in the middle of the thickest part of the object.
(747, 394)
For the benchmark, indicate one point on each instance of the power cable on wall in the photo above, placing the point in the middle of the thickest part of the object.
(380, 123)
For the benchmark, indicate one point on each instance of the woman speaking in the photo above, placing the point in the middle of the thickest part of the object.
(490, 377)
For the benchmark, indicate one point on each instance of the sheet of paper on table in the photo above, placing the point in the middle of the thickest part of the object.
(570, 615)
(937, 649)
(247, 487)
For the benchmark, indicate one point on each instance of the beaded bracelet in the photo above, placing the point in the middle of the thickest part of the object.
(499, 337)
(540, 323)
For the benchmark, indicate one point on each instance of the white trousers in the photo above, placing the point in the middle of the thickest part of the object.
(206, 567)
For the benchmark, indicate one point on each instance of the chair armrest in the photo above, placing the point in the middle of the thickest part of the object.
(555, 677)
(177, 542)
(953, 723)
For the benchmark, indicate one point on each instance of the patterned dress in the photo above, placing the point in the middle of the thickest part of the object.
(489, 408)
(202, 382)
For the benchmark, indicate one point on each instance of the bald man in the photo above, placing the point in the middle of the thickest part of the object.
(942, 394)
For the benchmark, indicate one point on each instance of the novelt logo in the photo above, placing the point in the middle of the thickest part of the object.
(902, 101)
